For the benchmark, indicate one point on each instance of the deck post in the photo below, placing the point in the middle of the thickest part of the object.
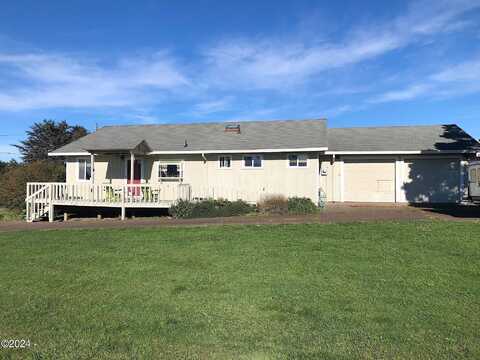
(123, 203)
(132, 167)
(92, 168)
(50, 203)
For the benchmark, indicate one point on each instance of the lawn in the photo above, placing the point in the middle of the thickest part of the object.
(337, 291)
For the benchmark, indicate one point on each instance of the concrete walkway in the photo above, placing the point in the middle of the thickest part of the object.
(334, 213)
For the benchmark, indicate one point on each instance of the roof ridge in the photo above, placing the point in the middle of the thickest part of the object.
(215, 122)
(390, 126)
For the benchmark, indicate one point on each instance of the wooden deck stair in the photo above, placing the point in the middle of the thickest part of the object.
(38, 202)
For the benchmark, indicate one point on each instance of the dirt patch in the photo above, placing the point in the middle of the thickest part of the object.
(335, 213)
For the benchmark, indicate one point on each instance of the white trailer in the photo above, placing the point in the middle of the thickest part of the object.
(474, 181)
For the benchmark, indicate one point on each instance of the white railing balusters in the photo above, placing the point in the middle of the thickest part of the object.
(41, 196)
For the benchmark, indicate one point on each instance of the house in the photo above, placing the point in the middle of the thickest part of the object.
(147, 166)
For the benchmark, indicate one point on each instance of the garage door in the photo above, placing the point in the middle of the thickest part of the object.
(431, 180)
(369, 181)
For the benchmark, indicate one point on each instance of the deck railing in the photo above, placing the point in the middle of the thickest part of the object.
(110, 194)
(41, 196)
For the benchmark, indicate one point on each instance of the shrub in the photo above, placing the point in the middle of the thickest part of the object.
(8, 215)
(273, 205)
(181, 209)
(240, 207)
(298, 205)
(13, 181)
(209, 208)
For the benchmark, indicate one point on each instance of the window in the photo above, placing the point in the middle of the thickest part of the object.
(473, 175)
(253, 161)
(297, 160)
(224, 162)
(84, 169)
(170, 171)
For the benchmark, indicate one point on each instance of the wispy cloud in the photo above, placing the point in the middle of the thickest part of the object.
(273, 63)
(464, 72)
(56, 80)
(212, 106)
(456, 80)
(209, 80)
(408, 93)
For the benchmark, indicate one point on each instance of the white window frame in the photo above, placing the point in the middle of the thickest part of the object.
(474, 178)
(85, 174)
(298, 155)
(262, 159)
(179, 163)
(224, 167)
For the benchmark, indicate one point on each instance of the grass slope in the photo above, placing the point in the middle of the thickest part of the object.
(376, 290)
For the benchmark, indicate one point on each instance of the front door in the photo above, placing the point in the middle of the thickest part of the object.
(137, 176)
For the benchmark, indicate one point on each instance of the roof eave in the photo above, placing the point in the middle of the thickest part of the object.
(400, 152)
(185, 152)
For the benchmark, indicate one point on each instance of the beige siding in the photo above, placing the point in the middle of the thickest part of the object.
(432, 180)
(382, 178)
(206, 178)
(369, 181)
(330, 178)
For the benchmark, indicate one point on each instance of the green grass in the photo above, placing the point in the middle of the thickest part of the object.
(344, 291)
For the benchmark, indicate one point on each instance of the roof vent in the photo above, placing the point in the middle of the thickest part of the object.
(233, 128)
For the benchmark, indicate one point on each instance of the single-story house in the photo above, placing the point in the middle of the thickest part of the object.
(155, 165)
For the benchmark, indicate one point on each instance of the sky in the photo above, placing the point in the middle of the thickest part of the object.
(368, 63)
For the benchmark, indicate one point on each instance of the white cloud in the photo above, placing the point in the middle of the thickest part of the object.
(273, 63)
(210, 107)
(467, 71)
(456, 80)
(219, 72)
(56, 80)
(408, 93)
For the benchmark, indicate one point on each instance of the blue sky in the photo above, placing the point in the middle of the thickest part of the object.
(121, 62)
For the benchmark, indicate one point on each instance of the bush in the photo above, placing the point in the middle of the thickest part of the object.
(8, 215)
(297, 205)
(280, 205)
(13, 182)
(273, 205)
(181, 209)
(209, 208)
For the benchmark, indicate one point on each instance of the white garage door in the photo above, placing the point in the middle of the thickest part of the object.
(369, 181)
(431, 180)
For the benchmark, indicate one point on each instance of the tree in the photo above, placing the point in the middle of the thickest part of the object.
(5, 165)
(13, 181)
(47, 136)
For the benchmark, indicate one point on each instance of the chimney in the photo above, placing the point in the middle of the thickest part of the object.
(232, 128)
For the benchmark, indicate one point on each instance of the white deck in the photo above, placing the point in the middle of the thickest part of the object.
(43, 197)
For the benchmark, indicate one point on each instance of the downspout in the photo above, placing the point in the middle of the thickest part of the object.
(206, 170)
(334, 192)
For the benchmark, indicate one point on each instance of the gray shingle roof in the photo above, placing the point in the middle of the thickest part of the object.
(285, 134)
(254, 135)
(401, 138)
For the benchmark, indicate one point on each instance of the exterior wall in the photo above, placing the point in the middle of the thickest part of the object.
(434, 180)
(416, 178)
(207, 179)
(443, 176)
(372, 181)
